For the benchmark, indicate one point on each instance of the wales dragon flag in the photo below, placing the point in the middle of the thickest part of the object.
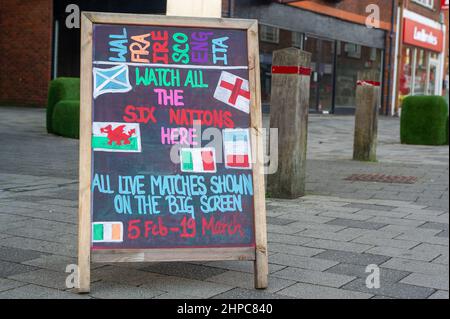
(116, 137)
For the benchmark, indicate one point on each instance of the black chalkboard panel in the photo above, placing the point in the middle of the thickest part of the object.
(150, 84)
(170, 142)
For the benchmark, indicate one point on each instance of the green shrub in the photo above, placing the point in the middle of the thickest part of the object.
(66, 118)
(61, 89)
(424, 120)
(446, 132)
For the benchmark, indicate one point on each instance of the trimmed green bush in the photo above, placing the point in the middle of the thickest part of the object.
(61, 89)
(424, 120)
(66, 118)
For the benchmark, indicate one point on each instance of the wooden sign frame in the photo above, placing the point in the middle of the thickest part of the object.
(258, 254)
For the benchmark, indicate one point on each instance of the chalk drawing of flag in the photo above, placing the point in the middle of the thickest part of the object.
(112, 80)
(237, 149)
(116, 137)
(234, 91)
(107, 232)
(198, 160)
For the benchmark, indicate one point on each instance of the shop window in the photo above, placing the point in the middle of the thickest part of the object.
(420, 79)
(425, 3)
(353, 50)
(270, 34)
(353, 59)
(406, 71)
(297, 40)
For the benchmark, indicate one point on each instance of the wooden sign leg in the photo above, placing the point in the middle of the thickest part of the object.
(84, 264)
(84, 200)
(261, 268)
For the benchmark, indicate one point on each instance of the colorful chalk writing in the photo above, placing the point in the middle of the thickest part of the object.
(152, 86)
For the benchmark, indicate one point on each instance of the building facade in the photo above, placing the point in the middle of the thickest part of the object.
(341, 39)
(338, 33)
(422, 64)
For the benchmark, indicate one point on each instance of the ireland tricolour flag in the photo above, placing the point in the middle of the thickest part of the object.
(198, 160)
(116, 137)
(107, 232)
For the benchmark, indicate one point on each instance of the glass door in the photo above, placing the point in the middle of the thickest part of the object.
(322, 64)
(432, 84)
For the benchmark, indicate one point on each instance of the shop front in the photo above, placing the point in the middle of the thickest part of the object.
(339, 50)
(422, 58)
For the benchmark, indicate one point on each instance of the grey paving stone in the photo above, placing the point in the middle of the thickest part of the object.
(313, 277)
(40, 246)
(382, 213)
(8, 268)
(246, 281)
(240, 293)
(376, 241)
(340, 235)
(185, 270)
(319, 227)
(110, 290)
(184, 286)
(394, 290)
(349, 216)
(279, 221)
(371, 206)
(432, 225)
(175, 295)
(432, 248)
(386, 274)
(18, 255)
(310, 263)
(39, 292)
(443, 234)
(432, 281)
(356, 224)
(440, 294)
(338, 245)
(363, 259)
(294, 250)
(307, 291)
(416, 266)
(121, 275)
(7, 284)
(43, 277)
(431, 239)
(423, 255)
(243, 266)
(425, 217)
(396, 221)
(443, 259)
(54, 262)
(287, 239)
(287, 229)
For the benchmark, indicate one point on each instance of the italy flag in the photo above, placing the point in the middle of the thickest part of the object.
(198, 160)
(107, 232)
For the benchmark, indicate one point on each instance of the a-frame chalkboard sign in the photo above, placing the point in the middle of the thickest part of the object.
(152, 187)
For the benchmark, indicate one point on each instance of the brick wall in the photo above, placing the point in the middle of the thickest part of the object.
(427, 12)
(25, 51)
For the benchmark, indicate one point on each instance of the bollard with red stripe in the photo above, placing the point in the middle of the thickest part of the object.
(366, 116)
(289, 106)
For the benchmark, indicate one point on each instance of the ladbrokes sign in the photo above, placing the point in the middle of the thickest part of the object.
(421, 35)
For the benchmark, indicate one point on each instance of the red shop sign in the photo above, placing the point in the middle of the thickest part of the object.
(444, 4)
(421, 35)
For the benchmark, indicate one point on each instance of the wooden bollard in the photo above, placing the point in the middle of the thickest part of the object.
(366, 116)
(289, 114)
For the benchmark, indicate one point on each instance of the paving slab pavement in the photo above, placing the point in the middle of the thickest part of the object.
(320, 245)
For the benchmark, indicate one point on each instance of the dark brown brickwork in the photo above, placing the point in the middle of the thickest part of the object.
(25, 51)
